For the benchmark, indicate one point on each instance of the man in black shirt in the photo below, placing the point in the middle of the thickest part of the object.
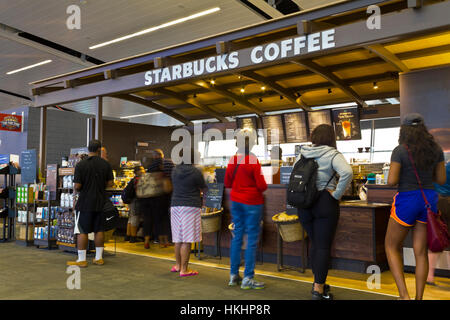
(92, 176)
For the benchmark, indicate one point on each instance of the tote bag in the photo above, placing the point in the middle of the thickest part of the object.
(437, 232)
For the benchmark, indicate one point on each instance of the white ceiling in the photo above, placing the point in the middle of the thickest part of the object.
(103, 20)
(116, 108)
(15, 55)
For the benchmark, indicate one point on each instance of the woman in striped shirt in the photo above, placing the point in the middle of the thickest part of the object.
(185, 210)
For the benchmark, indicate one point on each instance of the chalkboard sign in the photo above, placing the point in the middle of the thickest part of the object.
(295, 125)
(274, 124)
(214, 195)
(285, 174)
(52, 178)
(28, 164)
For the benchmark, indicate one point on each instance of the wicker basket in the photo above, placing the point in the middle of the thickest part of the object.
(291, 230)
(211, 222)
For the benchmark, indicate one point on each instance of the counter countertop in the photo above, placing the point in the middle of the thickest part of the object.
(379, 186)
(363, 203)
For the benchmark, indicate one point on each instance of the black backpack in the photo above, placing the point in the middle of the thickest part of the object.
(302, 190)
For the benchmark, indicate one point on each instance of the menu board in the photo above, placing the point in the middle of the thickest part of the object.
(295, 125)
(28, 164)
(316, 118)
(52, 177)
(346, 124)
(274, 126)
(248, 122)
(214, 195)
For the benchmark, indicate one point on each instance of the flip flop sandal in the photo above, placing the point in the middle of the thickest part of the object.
(174, 269)
(431, 284)
(192, 273)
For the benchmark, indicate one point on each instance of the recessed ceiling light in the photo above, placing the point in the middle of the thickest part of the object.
(141, 115)
(29, 67)
(161, 26)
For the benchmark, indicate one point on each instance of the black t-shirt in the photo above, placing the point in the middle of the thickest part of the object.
(408, 180)
(93, 174)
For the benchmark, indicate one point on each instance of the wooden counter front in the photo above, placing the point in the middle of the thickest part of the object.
(380, 193)
(359, 239)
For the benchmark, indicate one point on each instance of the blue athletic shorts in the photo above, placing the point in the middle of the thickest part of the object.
(409, 206)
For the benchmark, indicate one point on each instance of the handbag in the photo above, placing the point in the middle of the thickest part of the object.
(150, 185)
(110, 214)
(437, 232)
(129, 193)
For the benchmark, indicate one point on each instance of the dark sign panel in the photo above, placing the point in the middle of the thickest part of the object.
(316, 118)
(76, 155)
(52, 178)
(214, 195)
(28, 164)
(346, 124)
(285, 174)
(274, 126)
(295, 125)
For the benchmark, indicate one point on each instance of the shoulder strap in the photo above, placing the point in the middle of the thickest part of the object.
(417, 175)
(235, 168)
(334, 173)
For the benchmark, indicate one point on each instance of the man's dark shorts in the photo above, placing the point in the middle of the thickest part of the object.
(91, 222)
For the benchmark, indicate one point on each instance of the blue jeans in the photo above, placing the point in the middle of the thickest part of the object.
(247, 220)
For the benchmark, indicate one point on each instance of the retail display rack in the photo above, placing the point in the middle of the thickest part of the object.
(66, 239)
(7, 198)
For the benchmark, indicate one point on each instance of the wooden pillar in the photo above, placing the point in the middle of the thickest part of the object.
(99, 119)
(43, 141)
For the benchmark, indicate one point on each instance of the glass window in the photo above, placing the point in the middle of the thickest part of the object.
(222, 148)
(381, 157)
(353, 145)
(386, 139)
(201, 148)
(260, 149)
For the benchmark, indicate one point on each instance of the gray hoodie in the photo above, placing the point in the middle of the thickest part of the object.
(323, 155)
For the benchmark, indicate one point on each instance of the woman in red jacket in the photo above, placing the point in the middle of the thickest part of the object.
(244, 177)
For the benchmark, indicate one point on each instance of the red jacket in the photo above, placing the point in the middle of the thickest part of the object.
(249, 183)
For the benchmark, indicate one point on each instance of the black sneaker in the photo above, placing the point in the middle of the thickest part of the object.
(321, 296)
(127, 238)
(132, 239)
(326, 288)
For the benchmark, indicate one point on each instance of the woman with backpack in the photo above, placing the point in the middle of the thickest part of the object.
(244, 177)
(417, 152)
(321, 219)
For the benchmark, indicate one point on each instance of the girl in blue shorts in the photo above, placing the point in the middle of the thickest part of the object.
(408, 208)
